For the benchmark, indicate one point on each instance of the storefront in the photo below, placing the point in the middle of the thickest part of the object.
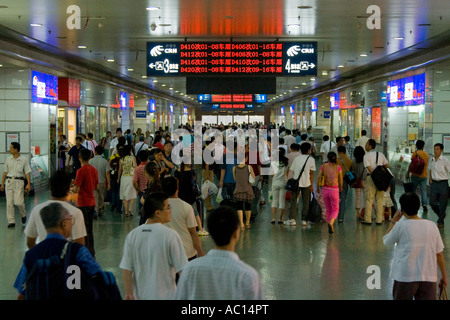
(406, 114)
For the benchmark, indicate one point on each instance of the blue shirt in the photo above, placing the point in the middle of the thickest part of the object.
(84, 260)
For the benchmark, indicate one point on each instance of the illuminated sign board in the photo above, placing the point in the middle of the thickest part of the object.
(151, 105)
(123, 100)
(44, 88)
(334, 101)
(314, 104)
(408, 91)
(239, 98)
(232, 58)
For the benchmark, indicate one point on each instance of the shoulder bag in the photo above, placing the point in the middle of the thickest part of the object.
(292, 184)
(381, 177)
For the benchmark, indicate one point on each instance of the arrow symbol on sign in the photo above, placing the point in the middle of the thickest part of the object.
(312, 65)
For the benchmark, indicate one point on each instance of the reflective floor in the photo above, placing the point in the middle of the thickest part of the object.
(293, 262)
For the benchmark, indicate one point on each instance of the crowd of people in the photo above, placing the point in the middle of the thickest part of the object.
(142, 168)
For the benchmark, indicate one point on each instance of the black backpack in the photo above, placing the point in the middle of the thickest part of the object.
(381, 177)
(50, 279)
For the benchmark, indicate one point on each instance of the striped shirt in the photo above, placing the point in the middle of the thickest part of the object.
(220, 275)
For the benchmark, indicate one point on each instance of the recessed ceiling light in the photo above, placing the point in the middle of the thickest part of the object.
(110, 60)
(152, 8)
(363, 55)
(82, 47)
(35, 24)
(130, 69)
(398, 38)
(340, 66)
(144, 77)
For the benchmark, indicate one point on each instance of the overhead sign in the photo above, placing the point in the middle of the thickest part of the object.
(232, 58)
(334, 101)
(237, 98)
(314, 104)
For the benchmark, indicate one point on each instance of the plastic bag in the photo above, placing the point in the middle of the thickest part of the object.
(219, 197)
(208, 189)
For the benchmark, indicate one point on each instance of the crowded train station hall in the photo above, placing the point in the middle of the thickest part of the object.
(224, 150)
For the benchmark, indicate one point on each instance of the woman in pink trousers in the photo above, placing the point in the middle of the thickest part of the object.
(331, 181)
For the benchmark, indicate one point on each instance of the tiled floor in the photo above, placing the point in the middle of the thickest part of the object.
(293, 262)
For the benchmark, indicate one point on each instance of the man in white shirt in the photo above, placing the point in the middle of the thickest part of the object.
(16, 171)
(141, 145)
(361, 142)
(326, 147)
(289, 139)
(153, 254)
(115, 141)
(35, 230)
(439, 167)
(372, 159)
(306, 183)
(183, 219)
(220, 275)
(418, 252)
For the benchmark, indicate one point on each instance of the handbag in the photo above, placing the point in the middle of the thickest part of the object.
(251, 179)
(292, 184)
(349, 177)
(358, 182)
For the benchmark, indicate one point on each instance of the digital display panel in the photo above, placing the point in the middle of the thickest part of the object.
(314, 104)
(44, 88)
(151, 105)
(408, 91)
(123, 100)
(232, 58)
(334, 101)
(237, 98)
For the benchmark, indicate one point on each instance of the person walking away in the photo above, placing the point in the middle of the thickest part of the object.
(419, 252)
(85, 183)
(114, 163)
(60, 183)
(371, 191)
(243, 193)
(333, 181)
(360, 173)
(326, 147)
(16, 171)
(152, 174)
(362, 141)
(92, 144)
(182, 220)
(438, 178)
(125, 179)
(419, 179)
(104, 180)
(306, 183)
(153, 254)
(346, 165)
(278, 171)
(220, 275)
(140, 180)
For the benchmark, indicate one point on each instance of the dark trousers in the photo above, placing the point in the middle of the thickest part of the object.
(88, 214)
(115, 196)
(306, 199)
(419, 290)
(439, 198)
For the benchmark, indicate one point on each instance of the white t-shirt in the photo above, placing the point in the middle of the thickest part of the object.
(183, 217)
(370, 159)
(154, 254)
(297, 166)
(326, 147)
(418, 243)
(279, 173)
(35, 227)
(220, 275)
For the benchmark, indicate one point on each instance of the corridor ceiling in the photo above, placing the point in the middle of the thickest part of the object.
(112, 34)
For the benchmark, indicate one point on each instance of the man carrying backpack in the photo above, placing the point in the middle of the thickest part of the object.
(30, 283)
(418, 171)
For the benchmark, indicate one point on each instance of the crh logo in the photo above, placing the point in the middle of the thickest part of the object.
(293, 51)
(156, 51)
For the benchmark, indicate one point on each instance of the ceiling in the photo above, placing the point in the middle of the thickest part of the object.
(113, 34)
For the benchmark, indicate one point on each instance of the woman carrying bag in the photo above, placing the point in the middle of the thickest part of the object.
(331, 181)
(243, 193)
(360, 173)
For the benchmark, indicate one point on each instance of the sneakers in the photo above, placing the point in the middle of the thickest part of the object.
(203, 233)
(290, 222)
(304, 223)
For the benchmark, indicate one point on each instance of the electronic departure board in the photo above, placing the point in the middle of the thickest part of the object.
(232, 58)
(238, 98)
